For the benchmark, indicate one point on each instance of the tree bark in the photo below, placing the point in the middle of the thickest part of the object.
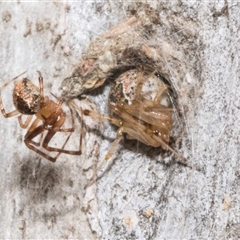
(143, 192)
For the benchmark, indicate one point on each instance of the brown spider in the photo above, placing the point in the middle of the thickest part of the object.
(140, 105)
(30, 100)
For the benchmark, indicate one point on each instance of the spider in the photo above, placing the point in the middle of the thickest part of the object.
(141, 107)
(30, 100)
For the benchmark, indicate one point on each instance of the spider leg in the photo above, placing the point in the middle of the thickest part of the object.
(40, 79)
(34, 131)
(30, 130)
(107, 157)
(27, 121)
(136, 130)
(56, 127)
(29, 143)
(82, 131)
(56, 97)
(63, 118)
(139, 131)
(183, 160)
(52, 126)
(160, 93)
(73, 124)
(122, 128)
(10, 114)
(98, 116)
(147, 111)
(1, 88)
(167, 147)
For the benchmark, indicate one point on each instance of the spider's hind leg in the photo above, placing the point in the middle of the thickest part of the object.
(107, 157)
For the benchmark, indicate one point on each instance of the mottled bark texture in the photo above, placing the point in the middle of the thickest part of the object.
(143, 193)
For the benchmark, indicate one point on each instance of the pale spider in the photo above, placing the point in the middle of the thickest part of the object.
(140, 105)
(30, 100)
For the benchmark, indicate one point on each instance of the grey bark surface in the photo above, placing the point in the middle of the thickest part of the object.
(143, 193)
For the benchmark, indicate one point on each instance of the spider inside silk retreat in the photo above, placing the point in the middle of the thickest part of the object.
(49, 116)
(140, 105)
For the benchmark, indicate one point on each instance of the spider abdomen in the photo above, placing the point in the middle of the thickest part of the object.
(26, 97)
